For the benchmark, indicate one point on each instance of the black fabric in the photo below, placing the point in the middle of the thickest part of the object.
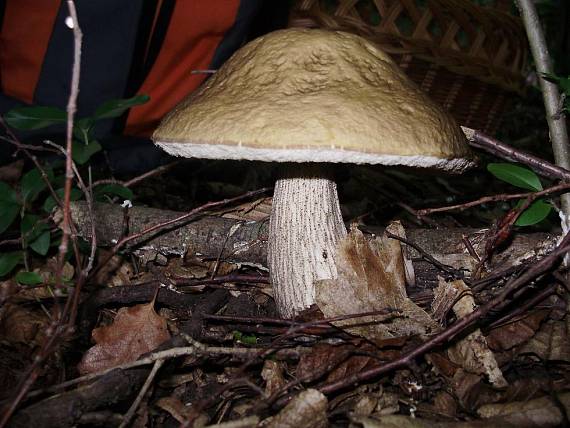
(109, 36)
(237, 35)
(142, 60)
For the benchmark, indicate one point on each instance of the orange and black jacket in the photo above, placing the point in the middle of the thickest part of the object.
(129, 47)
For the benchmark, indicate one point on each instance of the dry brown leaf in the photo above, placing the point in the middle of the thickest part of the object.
(472, 391)
(308, 410)
(135, 331)
(371, 277)
(540, 412)
(515, 333)
(174, 407)
(19, 324)
(551, 342)
(272, 374)
(445, 404)
(322, 359)
(471, 352)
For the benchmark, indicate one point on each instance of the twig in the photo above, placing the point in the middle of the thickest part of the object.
(496, 198)
(136, 180)
(58, 327)
(495, 147)
(71, 109)
(196, 348)
(499, 301)
(131, 412)
(550, 94)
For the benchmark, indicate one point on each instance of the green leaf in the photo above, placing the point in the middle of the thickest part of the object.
(29, 278)
(32, 185)
(7, 194)
(50, 203)
(9, 206)
(247, 339)
(115, 190)
(115, 108)
(31, 227)
(41, 244)
(8, 261)
(83, 152)
(8, 213)
(515, 175)
(534, 214)
(82, 129)
(28, 118)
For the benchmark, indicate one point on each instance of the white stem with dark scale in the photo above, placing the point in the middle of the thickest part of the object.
(304, 230)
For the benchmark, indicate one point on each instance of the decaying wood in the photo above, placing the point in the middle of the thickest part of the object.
(208, 236)
(243, 241)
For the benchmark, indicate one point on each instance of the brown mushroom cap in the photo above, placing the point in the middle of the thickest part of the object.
(302, 95)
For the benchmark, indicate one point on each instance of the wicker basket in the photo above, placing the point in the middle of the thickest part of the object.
(467, 57)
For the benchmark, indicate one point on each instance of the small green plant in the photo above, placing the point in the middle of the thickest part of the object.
(247, 339)
(29, 201)
(526, 179)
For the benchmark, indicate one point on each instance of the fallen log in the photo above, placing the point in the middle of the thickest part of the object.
(244, 241)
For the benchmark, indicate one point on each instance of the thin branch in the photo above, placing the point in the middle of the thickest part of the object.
(497, 148)
(58, 327)
(496, 198)
(550, 94)
(136, 180)
(71, 109)
(131, 412)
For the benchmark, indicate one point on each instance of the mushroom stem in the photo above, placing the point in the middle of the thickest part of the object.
(304, 230)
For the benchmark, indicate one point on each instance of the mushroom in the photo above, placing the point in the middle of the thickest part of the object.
(307, 98)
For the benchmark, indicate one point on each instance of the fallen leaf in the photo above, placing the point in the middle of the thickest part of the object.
(272, 374)
(371, 277)
(551, 342)
(544, 411)
(308, 410)
(19, 324)
(135, 331)
(471, 352)
(174, 407)
(516, 333)
(322, 359)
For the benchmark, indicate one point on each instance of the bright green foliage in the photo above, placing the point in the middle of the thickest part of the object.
(534, 214)
(526, 179)
(515, 175)
(28, 278)
(247, 339)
